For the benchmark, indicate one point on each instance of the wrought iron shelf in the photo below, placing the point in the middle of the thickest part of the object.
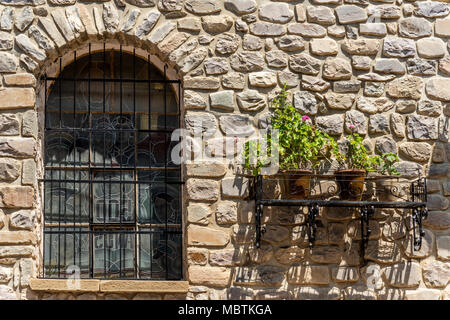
(414, 197)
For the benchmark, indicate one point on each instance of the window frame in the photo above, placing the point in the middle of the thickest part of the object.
(168, 78)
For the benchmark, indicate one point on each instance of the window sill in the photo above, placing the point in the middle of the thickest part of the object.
(106, 286)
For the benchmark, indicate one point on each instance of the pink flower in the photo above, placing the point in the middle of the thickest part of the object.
(304, 118)
(351, 127)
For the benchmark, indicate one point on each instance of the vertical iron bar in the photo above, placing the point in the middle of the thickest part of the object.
(45, 207)
(59, 184)
(104, 159)
(121, 154)
(74, 152)
(135, 173)
(91, 176)
(150, 234)
(165, 171)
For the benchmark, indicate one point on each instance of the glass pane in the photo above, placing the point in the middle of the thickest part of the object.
(158, 201)
(158, 258)
(114, 197)
(66, 250)
(66, 201)
(114, 254)
(66, 148)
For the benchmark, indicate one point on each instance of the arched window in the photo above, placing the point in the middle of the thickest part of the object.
(112, 198)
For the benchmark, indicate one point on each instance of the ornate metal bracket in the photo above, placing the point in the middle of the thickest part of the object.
(313, 211)
(418, 215)
(366, 213)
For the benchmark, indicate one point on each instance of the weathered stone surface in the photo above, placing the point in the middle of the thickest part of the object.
(321, 15)
(222, 100)
(398, 125)
(227, 43)
(443, 247)
(261, 275)
(252, 43)
(24, 19)
(236, 125)
(422, 294)
(9, 125)
(304, 63)
(233, 80)
(147, 24)
(359, 293)
(17, 147)
(204, 83)
(217, 24)
(333, 124)
(318, 293)
(7, 19)
(308, 274)
(344, 274)
(337, 69)
(290, 255)
(267, 29)
(315, 84)
(405, 87)
(386, 11)
(392, 66)
(193, 100)
(421, 67)
(16, 197)
(347, 14)
(346, 86)
(415, 28)
(431, 9)
(211, 276)
(356, 119)
(291, 43)
(442, 28)
(250, 100)
(403, 275)
(226, 212)
(202, 6)
(241, 6)
(207, 190)
(9, 169)
(416, 151)
(339, 101)
(378, 123)
(225, 258)
(21, 220)
(361, 63)
(383, 251)
(276, 12)
(422, 127)
(208, 237)
(398, 47)
(436, 274)
(305, 102)
(276, 59)
(262, 79)
(307, 30)
(323, 47)
(361, 46)
(438, 89)
(373, 29)
(247, 61)
(200, 123)
(236, 187)
(197, 256)
(431, 48)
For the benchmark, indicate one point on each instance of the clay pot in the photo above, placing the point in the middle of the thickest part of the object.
(351, 183)
(297, 183)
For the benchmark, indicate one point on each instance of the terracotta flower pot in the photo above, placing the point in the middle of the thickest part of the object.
(297, 183)
(351, 183)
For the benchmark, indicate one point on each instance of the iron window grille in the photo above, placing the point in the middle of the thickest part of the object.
(112, 195)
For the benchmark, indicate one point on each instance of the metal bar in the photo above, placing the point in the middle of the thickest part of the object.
(341, 203)
(111, 80)
(91, 239)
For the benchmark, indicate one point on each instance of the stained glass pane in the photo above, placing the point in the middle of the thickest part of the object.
(66, 249)
(159, 258)
(114, 255)
(114, 197)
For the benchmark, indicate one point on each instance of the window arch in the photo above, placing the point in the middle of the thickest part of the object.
(112, 197)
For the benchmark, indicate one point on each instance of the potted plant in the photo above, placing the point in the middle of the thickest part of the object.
(357, 162)
(389, 189)
(302, 146)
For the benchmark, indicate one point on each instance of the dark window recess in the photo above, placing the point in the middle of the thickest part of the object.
(112, 195)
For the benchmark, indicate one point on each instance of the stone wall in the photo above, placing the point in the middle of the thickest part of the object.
(381, 65)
